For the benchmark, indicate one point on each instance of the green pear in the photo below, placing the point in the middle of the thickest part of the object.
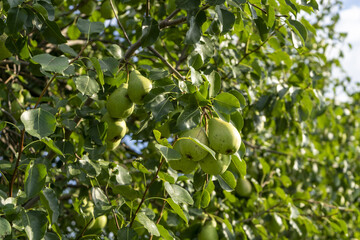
(243, 187)
(208, 232)
(116, 128)
(96, 225)
(183, 165)
(216, 166)
(106, 10)
(119, 105)
(191, 150)
(139, 87)
(88, 8)
(223, 137)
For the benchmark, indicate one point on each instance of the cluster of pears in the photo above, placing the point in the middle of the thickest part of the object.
(121, 104)
(222, 137)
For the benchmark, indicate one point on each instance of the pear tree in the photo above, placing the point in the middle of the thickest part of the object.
(176, 119)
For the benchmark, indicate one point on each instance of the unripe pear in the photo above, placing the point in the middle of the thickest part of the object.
(88, 8)
(106, 10)
(96, 225)
(183, 165)
(116, 128)
(208, 232)
(243, 187)
(119, 104)
(139, 87)
(216, 166)
(223, 137)
(191, 150)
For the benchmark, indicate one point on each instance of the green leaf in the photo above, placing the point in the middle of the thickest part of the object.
(87, 27)
(50, 143)
(51, 63)
(298, 28)
(239, 163)
(194, 33)
(122, 175)
(150, 32)
(86, 85)
(226, 18)
(227, 181)
(262, 28)
(50, 202)
(102, 205)
(51, 31)
(164, 233)
(97, 67)
(178, 194)
(73, 32)
(189, 117)
(127, 233)
(215, 84)
(89, 167)
(15, 3)
(265, 166)
(177, 209)
(215, 2)
(226, 103)
(159, 106)
(38, 122)
(148, 224)
(16, 19)
(188, 4)
(66, 49)
(206, 148)
(5, 228)
(196, 61)
(168, 153)
(35, 223)
(196, 77)
(35, 176)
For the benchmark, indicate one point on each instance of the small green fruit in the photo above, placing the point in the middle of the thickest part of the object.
(191, 150)
(96, 225)
(216, 166)
(88, 8)
(223, 137)
(106, 10)
(243, 187)
(119, 104)
(116, 128)
(183, 165)
(139, 87)
(208, 232)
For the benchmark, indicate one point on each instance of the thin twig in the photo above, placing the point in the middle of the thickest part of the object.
(21, 147)
(256, 147)
(264, 11)
(153, 50)
(119, 23)
(84, 229)
(146, 190)
(161, 214)
(148, 8)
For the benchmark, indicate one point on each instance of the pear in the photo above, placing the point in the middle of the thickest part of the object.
(116, 128)
(243, 187)
(216, 166)
(119, 105)
(223, 137)
(191, 150)
(106, 10)
(183, 165)
(139, 87)
(208, 232)
(88, 8)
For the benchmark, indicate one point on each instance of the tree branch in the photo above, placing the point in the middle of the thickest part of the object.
(146, 190)
(119, 23)
(153, 50)
(265, 12)
(256, 147)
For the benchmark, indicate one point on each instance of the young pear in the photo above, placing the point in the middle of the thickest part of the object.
(191, 150)
(208, 232)
(183, 165)
(119, 104)
(216, 166)
(223, 137)
(139, 87)
(96, 225)
(106, 10)
(243, 187)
